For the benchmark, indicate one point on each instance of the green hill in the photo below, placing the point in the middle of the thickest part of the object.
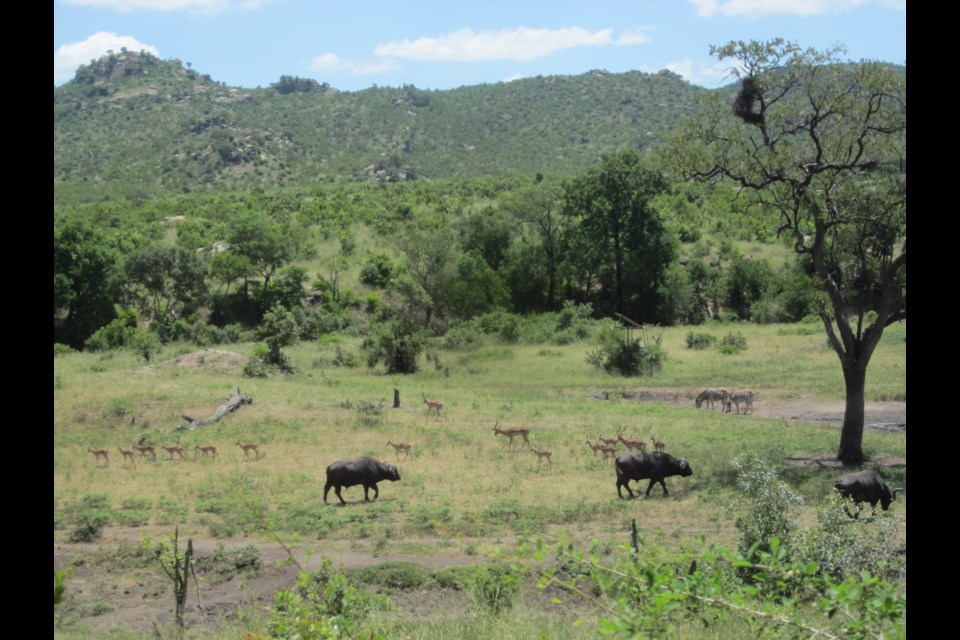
(132, 125)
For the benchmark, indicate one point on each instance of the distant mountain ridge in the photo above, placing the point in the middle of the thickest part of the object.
(131, 124)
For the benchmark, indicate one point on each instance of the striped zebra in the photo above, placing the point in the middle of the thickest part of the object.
(713, 395)
(738, 397)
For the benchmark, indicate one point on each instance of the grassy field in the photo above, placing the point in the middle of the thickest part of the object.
(464, 490)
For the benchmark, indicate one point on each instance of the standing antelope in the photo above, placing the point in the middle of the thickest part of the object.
(247, 448)
(608, 451)
(127, 455)
(610, 442)
(633, 444)
(405, 447)
(595, 447)
(98, 454)
(173, 449)
(541, 455)
(144, 450)
(512, 433)
(658, 444)
(433, 405)
(208, 449)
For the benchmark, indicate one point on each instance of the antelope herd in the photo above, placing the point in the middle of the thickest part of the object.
(607, 447)
(148, 452)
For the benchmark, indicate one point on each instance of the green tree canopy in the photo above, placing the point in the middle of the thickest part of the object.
(617, 230)
(83, 264)
(262, 241)
(164, 282)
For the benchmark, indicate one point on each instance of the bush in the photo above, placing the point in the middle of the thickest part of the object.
(227, 562)
(700, 340)
(393, 575)
(495, 587)
(732, 344)
(144, 344)
(844, 548)
(114, 335)
(769, 507)
(627, 359)
(258, 366)
(90, 526)
(397, 345)
(322, 605)
(60, 349)
(370, 414)
(377, 271)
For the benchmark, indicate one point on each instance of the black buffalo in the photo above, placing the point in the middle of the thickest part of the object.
(655, 466)
(364, 470)
(865, 486)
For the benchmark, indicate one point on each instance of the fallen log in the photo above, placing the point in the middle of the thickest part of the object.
(234, 402)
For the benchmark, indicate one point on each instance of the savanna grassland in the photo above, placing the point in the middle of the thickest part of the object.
(464, 492)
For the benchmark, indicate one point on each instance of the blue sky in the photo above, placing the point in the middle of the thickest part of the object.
(443, 44)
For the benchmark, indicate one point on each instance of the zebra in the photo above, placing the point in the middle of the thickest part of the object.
(713, 395)
(741, 396)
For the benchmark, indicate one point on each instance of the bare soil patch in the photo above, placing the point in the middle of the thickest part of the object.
(213, 359)
(889, 416)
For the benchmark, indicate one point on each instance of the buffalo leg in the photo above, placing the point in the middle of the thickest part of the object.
(337, 489)
(326, 490)
(624, 484)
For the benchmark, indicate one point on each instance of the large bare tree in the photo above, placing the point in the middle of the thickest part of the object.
(821, 144)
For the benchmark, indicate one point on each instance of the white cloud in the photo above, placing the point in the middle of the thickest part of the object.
(633, 36)
(70, 56)
(521, 43)
(202, 6)
(516, 76)
(757, 8)
(683, 68)
(328, 62)
(331, 62)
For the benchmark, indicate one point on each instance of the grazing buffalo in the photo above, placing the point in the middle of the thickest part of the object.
(865, 486)
(364, 470)
(655, 466)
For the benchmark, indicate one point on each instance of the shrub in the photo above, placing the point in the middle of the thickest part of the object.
(843, 548)
(770, 502)
(226, 562)
(397, 345)
(322, 605)
(370, 414)
(732, 344)
(377, 271)
(626, 358)
(495, 587)
(393, 575)
(90, 526)
(60, 349)
(700, 340)
(257, 366)
(114, 335)
(144, 344)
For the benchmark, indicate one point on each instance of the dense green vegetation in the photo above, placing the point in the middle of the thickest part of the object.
(131, 125)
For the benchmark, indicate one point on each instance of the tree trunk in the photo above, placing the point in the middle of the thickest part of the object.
(234, 402)
(851, 435)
